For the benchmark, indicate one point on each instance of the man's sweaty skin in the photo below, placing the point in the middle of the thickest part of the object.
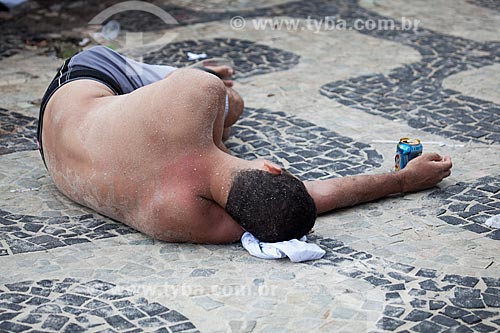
(155, 159)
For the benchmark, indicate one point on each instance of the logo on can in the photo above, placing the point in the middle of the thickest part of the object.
(406, 150)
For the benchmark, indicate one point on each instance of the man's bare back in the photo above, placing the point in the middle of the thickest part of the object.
(155, 160)
(142, 158)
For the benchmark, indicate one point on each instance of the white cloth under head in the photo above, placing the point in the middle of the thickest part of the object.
(295, 249)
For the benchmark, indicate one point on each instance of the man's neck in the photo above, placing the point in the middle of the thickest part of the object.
(223, 169)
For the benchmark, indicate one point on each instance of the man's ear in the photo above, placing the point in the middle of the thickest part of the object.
(272, 168)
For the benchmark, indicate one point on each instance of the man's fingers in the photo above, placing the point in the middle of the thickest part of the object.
(446, 162)
(433, 157)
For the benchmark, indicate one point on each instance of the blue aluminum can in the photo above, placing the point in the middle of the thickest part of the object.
(406, 150)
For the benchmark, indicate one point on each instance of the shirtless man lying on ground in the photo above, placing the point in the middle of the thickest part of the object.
(143, 144)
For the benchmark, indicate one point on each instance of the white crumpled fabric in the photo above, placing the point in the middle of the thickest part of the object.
(297, 250)
(493, 221)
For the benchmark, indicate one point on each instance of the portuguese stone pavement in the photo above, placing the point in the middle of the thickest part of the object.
(329, 88)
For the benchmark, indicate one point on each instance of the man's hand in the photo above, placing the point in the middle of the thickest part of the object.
(424, 172)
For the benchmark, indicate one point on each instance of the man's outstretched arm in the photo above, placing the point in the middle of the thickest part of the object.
(421, 173)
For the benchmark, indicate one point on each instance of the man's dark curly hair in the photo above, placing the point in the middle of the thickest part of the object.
(272, 207)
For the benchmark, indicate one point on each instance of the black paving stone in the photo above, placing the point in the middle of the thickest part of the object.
(54, 322)
(153, 309)
(95, 304)
(132, 313)
(459, 329)
(489, 188)
(483, 314)
(8, 315)
(74, 311)
(119, 322)
(122, 304)
(344, 250)
(401, 277)
(393, 311)
(45, 283)
(454, 312)
(429, 273)
(150, 322)
(72, 299)
(13, 297)
(173, 316)
(389, 324)
(430, 285)
(436, 305)
(40, 291)
(377, 281)
(427, 327)
(99, 285)
(468, 303)
(471, 319)
(162, 330)
(19, 286)
(418, 315)
(476, 227)
(452, 220)
(10, 306)
(467, 281)
(74, 328)
(445, 321)
(181, 327)
(392, 287)
(483, 328)
(495, 235)
(31, 319)
(13, 327)
(418, 303)
(491, 300)
(105, 311)
(492, 282)
(393, 298)
(448, 287)
(115, 295)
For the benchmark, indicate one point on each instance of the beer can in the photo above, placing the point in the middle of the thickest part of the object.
(406, 150)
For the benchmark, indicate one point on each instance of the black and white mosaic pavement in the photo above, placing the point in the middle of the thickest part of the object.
(17, 132)
(414, 92)
(416, 299)
(70, 305)
(422, 299)
(27, 233)
(469, 205)
(249, 58)
(307, 150)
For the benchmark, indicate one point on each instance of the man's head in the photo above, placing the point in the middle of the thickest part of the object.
(273, 206)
